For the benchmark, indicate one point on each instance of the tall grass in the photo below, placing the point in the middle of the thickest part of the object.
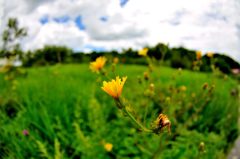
(67, 114)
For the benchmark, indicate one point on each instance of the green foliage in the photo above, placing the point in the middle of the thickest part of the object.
(69, 116)
(10, 37)
(162, 53)
(48, 55)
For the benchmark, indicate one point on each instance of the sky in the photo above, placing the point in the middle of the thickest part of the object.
(86, 25)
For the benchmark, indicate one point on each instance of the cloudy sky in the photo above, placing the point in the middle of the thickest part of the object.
(85, 25)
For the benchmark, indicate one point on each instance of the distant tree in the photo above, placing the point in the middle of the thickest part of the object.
(159, 51)
(48, 55)
(223, 65)
(232, 63)
(11, 37)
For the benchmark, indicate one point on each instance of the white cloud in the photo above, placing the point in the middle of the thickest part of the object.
(203, 25)
(55, 34)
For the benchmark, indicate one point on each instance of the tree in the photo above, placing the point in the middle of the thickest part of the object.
(11, 40)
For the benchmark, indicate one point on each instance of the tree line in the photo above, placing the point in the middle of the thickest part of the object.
(177, 57)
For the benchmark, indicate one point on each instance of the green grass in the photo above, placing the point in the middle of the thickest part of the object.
(68, 115)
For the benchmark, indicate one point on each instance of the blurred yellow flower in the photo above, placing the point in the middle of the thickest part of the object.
(210, 54)
(114, 87)
(108, 147)
(143, 52)
(98, 64)
(168, 99)
(193, 95)
(183, 88)
(198, 55)
(115, 60)
(151, 87)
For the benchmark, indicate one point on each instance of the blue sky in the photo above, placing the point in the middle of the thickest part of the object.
(117, 24)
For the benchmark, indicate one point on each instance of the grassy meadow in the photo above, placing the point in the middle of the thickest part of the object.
(61, 112)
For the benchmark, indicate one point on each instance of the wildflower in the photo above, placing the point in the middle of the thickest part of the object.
(139, 79)
(179, 70)
(201, 147)
(199, 55)
(161, 122)
(115, 60)
(25, 132)
(183, 88)
(146, 75)
(97, 65)
(205, 86)
(151, 87)
(108, 147)
(143, 52)
(193, 95)
(168, 99)
(210, 54)
(114, 87)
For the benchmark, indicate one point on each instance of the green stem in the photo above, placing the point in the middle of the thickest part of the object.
(143, 128)
(136, 122)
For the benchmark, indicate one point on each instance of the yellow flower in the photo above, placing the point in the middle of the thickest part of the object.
(114, 87)
(199, 55)
(97, 65)
(108, 147)
(183, 88)
(210, 54)
(143, 52)
(115, 60)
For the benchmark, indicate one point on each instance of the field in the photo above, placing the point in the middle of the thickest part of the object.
(61, 112)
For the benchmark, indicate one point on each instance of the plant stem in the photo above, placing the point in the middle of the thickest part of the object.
(143, 128)
(135, 121)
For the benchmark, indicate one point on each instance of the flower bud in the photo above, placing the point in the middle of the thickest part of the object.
(151, 87)
(25, 132)
(146, 75)
(201, 147)
(205, 86)
(160, 123)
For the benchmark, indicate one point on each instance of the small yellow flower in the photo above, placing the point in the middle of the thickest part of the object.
(193, 95)
(108, 147)
(151, 87)
(114, 87)
(97, 65)
(183, 88)
(198, 55)
(115, 60)
(143, 52)
(168, 99)
(210, 54)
